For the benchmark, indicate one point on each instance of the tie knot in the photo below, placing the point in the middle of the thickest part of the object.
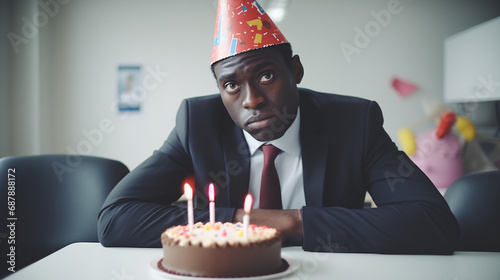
(270, 152)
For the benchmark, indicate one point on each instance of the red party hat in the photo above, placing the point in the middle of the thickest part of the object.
(243, 26)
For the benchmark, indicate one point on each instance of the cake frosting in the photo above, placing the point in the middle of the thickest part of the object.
(221, 250)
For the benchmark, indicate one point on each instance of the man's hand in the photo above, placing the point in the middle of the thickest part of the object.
(288, 222)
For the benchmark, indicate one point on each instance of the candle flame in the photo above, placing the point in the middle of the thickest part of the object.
(211, 192)
(188, 191)
(248, 203)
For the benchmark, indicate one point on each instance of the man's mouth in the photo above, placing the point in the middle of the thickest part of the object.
(259, 121)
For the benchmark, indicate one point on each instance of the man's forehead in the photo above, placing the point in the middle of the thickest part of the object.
(250, 62)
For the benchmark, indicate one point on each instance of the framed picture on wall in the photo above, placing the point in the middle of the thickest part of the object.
(130, 95)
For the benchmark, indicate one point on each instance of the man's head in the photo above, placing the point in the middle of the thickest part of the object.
(259, 89)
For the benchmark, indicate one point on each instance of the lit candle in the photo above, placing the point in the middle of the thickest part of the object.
(211, 204)
(246, 217)
(189, 195)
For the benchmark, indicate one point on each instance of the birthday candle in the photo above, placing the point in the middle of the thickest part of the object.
(246, 217)
(189, 195)
(211, 197)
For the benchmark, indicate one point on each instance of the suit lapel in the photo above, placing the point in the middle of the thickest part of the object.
(237, 161)
(314, 145)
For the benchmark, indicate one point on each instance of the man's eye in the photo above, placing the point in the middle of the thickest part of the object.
(231, 87)
(266, 77)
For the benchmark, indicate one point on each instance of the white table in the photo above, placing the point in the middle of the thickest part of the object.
(92, 261)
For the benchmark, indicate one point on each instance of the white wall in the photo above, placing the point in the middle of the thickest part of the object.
(84, 41)
(21, 89)
(4, 79)
(89, 39)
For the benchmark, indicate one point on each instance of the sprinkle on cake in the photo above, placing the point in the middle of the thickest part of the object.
(218, 234)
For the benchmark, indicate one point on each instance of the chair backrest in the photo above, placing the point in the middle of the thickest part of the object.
(474, 199)
(55, 201)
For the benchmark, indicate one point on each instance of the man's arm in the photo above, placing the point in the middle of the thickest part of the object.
(142, 206)
(411, 217)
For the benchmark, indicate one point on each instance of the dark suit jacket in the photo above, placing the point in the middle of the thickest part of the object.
(345, 153)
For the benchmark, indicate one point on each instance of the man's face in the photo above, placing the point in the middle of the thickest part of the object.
(260, 92)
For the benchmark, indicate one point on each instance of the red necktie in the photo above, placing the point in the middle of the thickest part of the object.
(270, 193)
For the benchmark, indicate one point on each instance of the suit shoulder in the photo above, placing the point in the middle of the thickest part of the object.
(204, 100)
(207, 105)
(202, 113)
(331, 100)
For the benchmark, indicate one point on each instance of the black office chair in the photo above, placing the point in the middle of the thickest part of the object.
(56, 200)
(474, 199)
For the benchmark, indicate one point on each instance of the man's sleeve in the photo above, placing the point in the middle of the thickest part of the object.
(141, 207)
(411, 215)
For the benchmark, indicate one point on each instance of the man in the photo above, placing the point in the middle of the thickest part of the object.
(332, 150)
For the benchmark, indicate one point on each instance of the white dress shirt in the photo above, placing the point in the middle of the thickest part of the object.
(288, 166)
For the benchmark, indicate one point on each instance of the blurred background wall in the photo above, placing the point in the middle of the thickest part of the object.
(59, 63)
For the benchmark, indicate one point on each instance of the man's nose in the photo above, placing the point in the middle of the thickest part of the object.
(253, 97)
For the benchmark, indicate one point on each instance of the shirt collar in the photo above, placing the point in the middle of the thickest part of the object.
(288, 143)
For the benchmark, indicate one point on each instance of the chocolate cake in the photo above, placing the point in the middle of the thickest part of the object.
(221, 250)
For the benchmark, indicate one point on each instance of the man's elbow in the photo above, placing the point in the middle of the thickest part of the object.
(451, 235)
(111, 231)
(447, 232)
(104, 234)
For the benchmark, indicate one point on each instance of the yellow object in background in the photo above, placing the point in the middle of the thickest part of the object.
(466, 128)
(407, 140)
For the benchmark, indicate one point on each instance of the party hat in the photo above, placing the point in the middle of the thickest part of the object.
(243, 26)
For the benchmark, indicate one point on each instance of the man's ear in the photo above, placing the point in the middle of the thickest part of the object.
(298, 69)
